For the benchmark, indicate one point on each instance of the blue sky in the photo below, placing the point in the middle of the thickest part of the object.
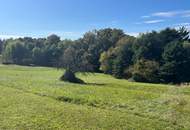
(71, 18)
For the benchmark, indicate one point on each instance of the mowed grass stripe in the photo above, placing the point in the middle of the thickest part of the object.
(21, 110)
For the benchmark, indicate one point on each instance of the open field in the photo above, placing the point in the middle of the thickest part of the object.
(34, 98)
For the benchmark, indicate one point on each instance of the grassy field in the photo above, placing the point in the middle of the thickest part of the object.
(34, 98)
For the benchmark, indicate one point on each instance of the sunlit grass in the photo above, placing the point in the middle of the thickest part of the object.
(34, 98)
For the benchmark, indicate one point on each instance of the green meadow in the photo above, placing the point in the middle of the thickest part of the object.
(33, 98)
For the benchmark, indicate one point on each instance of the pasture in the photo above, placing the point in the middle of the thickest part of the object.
(34, 98)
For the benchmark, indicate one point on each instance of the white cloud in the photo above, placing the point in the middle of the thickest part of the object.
(153, 21)
(135, 34)
(4, 36)
(62, 34)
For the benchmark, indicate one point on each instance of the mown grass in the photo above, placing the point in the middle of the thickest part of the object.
(34, 98)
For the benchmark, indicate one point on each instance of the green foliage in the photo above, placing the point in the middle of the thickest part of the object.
(186, 68)
(1, 46)
(145, 71)
(53, 39)
(175, 60)
(100, 41)
(117, 59)
(38, 56)
(26, 51)
(106, 60)
(165, 53)
(15, 52)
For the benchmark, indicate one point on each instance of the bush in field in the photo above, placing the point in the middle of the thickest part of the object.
(69, 76)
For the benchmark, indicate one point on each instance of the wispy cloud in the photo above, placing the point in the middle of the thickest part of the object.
(166, 14)
(161, 16)
(150, 22)
(145, 16)
(153, 21)
(169, 14)
(186, 15)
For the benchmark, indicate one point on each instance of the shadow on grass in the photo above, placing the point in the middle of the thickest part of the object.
(77, 101)
(85, 84)
(95, 84)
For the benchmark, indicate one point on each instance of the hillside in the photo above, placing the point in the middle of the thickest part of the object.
(34, 98)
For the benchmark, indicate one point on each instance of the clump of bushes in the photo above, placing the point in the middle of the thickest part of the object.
(69, 76)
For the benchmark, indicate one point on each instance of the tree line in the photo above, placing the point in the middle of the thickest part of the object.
(155, 57)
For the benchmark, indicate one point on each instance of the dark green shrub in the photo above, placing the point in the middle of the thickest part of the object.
(69, 76)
